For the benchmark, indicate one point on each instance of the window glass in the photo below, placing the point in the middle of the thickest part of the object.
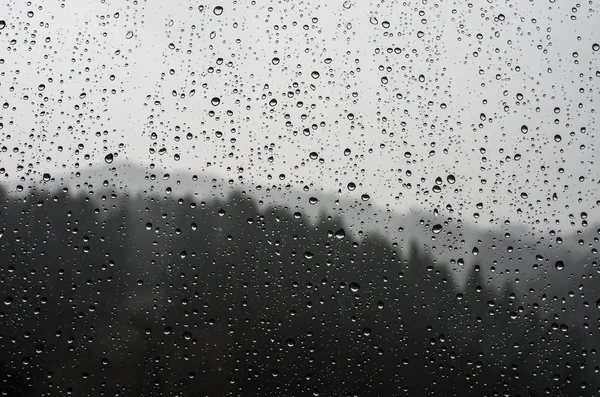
(327, 198)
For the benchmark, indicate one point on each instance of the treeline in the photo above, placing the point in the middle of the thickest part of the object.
(153, 296)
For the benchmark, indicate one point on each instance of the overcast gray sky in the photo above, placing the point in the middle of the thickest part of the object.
(501, 95)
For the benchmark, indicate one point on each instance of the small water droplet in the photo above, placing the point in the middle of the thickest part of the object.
(129, 34)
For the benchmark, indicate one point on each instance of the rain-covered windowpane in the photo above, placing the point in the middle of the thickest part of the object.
(299, 198)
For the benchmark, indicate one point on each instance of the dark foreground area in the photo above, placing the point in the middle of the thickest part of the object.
(154, 296)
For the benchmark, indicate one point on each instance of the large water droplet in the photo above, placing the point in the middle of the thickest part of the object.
(109, 158)
(559, 265)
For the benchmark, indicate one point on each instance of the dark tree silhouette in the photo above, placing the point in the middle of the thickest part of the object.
(107, 294)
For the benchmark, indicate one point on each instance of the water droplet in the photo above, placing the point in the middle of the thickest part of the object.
(373, 21)
(2, 24)
(347, 4)
(218, 10)
(557, 138)
(354, 287)
(340, 234)
(422, 78)
(524, 129)
(347, 152)
(313, 200)
(275, 61)
(559, 265)
(598, 304)
(315, 74)
(8, 300)
(596, 47)
(41, 87)
(451, 179)
(129, 34)
(365, 197)
(351, 186)
(436, 228)
(215, 101)
(109, 158)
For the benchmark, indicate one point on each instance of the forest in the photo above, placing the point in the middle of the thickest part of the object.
(153, 295)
